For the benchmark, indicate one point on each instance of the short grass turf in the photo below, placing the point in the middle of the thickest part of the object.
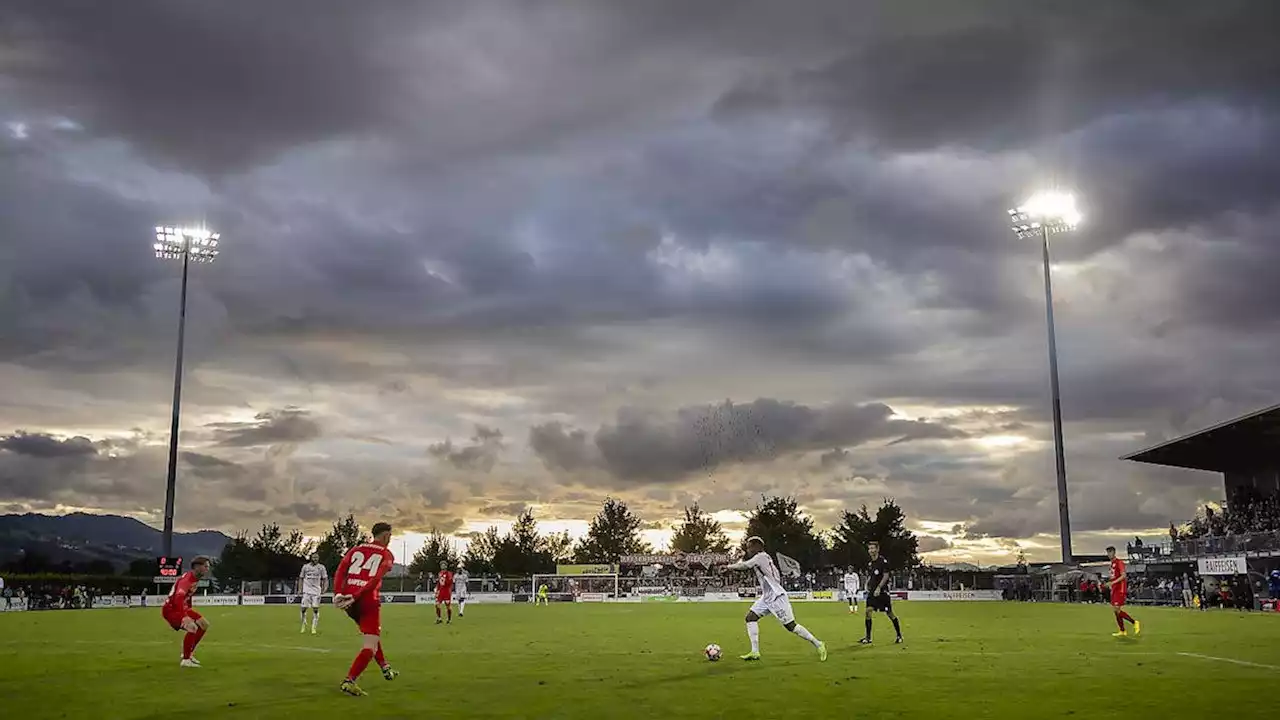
(961, 660)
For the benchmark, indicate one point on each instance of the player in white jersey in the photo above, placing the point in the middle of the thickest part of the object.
(852, 585)
(773, 600)
(460, 589)
(312, 580)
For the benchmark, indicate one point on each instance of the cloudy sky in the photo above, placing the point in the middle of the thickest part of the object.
(481, 255)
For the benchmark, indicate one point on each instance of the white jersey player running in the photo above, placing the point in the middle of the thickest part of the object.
(312, 580)
(773, 600)
(460, 579)
(852, 586)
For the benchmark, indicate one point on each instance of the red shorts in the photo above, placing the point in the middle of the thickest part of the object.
(367, 615)
(1118, 596)
(175, 616)
(444, 597)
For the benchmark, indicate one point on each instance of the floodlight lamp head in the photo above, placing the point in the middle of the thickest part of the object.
(1046, 212)
(196, 244)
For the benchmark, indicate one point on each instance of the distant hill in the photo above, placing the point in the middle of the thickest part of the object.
(79, 537)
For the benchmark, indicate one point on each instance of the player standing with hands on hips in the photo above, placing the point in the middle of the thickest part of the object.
(178, 613)
(460, 579)
(311, 581)
(851, 588)
(355, 585)
(878, 593)
(773, 600)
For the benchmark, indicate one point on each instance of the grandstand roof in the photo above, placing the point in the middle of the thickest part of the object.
(1247, 443)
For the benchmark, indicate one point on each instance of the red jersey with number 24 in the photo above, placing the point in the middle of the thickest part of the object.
(361, 570)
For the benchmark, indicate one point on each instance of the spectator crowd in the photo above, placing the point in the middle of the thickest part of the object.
(1246, 511)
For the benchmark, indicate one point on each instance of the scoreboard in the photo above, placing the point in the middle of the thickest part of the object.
(168, 569)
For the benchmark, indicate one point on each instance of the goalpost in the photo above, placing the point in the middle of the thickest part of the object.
(594, 587)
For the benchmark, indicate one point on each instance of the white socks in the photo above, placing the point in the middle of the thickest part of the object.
(315, 621)
(804, 633)
(753, 632)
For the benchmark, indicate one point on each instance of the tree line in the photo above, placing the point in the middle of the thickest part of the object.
(615, 531)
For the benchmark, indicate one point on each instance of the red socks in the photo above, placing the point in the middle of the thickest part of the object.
(379, 657)
(360, 663)
(1121, 617)
(450, 611)
(437, 612)
(189, 643)
(1125, 616)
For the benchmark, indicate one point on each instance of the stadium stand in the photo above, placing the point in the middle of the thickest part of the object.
(1224, 555)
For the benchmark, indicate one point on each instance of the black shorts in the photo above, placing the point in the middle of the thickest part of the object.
(882, 602)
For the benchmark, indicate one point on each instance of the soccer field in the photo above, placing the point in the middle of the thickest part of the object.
(961, 660)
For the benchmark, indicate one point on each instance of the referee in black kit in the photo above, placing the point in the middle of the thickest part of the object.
(878, 593)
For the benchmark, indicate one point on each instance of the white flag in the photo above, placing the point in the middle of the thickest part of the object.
(788, 566)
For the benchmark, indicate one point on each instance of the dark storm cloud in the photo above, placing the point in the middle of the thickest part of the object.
(39, 445)
(208, 86)
(482, 454)
(272, 427)
(643, 447)
(930, 543)
(833, 458)
(1034, 69)
(561, 448)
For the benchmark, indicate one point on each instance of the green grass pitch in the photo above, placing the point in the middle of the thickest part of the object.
(961, 660)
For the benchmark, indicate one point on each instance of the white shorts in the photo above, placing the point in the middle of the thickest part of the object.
(459, 597)
(779, 607)
(853, 595)
(311, 601)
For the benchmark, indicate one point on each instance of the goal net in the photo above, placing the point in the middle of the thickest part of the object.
(577, 588)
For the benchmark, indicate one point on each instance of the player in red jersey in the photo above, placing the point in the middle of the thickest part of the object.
(1119, 584)
(178, 613)
(444, 592)
(355, 586)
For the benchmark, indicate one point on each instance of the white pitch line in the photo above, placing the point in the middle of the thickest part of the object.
(284, 647)
(1246, 663)
(115, 643)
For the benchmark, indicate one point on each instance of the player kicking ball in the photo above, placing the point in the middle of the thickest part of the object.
(356, 584)
(178, 613)
(878, 593)
(773, 600)
(444, 592)
(312, 578)
(1119, 584)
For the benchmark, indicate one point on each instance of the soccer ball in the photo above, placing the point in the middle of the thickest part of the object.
(712, 652)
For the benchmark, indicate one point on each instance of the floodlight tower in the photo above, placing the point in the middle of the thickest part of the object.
(1042, 215)
(188, 245)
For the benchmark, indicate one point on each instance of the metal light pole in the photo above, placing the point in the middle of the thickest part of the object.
(1041, 216)
(188, 245)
